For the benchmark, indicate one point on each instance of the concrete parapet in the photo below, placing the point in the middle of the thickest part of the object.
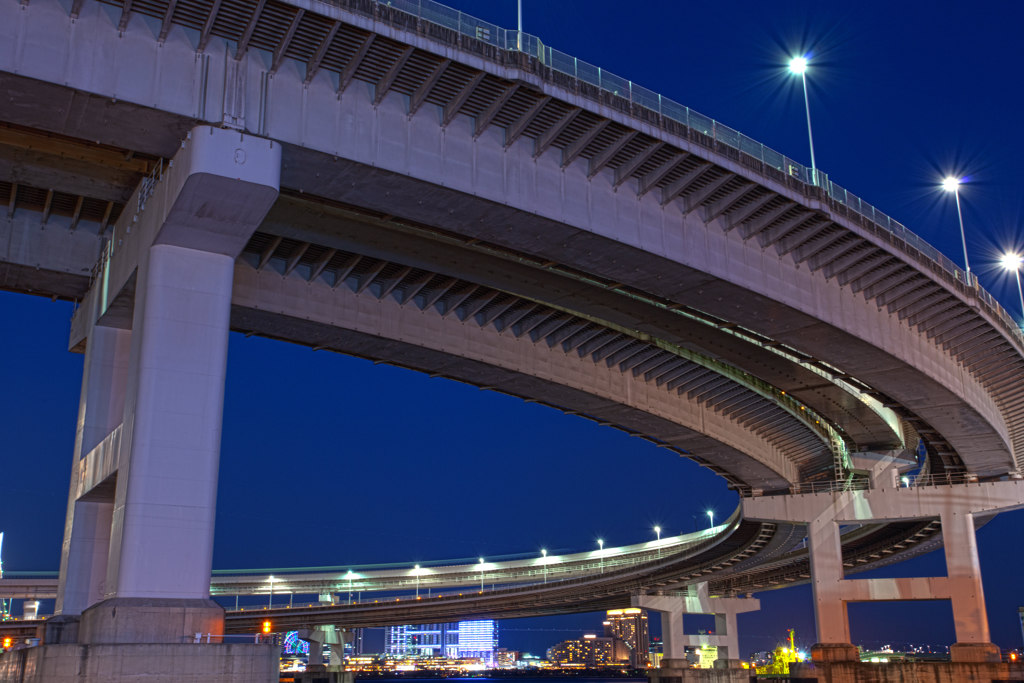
(975, 652)
(320, 676)
(149, 620)
(906, 672)
(680, 671)
(153, 663)
(835, 652)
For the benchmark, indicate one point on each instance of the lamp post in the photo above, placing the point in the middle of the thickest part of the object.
(348, 575)
(1013, 261)
(544, 555)
(711, 518)
(416, 570)
(952, 184)
(798, 66)
(481, 575)
(270, 600)
(519, 25)
(600, 552)
(657, 532)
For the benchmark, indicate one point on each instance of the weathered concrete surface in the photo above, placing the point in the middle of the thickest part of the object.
(152, 663)
(679, 671)
(907, 672)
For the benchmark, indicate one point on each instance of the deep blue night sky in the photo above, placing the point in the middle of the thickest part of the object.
(329, 460)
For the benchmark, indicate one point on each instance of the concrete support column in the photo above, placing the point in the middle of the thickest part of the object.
(83, 564)
(826, 557)
(673, 641)
(162, 540)
(725, 627)
(963, 570)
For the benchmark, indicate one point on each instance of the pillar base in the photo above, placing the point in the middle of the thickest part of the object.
(834, 652)
(975, 652)
(728, 664)
(61, 629)
(153, 663)
(149, 620)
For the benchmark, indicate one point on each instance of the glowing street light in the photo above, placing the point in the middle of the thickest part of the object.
(416, 571)
(600, 552)
(657, 530)
(481, 575)
(348, 575)
(952, 184)
(711, 517)
(270, 601)
(798, 66)
(544, 554)
(1013, 261)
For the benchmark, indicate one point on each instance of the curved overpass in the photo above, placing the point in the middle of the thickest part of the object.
(483, 215)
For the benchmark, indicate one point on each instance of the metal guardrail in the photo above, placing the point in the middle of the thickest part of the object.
(718, 134)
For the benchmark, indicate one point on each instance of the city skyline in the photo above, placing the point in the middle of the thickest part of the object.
(329, 460)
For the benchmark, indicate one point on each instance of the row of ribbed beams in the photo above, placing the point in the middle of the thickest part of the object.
(894, 275)
(507, 314)
(49, 202)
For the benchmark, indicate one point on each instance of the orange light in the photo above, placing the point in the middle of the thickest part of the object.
(1013, 656)
(267, 626)
(8, 642)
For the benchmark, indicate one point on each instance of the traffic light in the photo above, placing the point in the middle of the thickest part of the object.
(267, 626)
(8, 642)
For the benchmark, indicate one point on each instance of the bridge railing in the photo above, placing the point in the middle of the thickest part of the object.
(635, 100)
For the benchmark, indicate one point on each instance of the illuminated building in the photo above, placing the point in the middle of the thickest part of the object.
(589, 651)
(630, 626)
(476, 639)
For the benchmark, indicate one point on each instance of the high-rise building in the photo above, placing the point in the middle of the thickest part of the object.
(590, 651)
(476, 639)
(630, 626)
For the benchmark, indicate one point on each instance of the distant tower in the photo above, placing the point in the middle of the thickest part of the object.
(630, 626)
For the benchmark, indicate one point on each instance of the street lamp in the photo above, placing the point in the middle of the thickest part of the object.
(416, 570)
(798, 66)
(711, 517)
(952, 184)
(348, 575)
(600, 552)
(270, 601)
(544, 554)
(1013, 261)
(481, 575)
(519, 25)
(657, 530)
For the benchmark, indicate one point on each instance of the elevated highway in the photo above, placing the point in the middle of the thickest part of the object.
(402, 182)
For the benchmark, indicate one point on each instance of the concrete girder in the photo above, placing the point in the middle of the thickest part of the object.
(842, 249)
(480, 304)
(578, 342)
(868, 264)
(394, 281)
(897, 304)
(517, 317)
(847, 260)
(451, 109)
(321, 263)
(651, 179)
(600, 160)
(295, 257)
(626, 170)
(958, 325)
(772, 233)
(801, 235)
(694, 201)
(824, 241)
(243, 42)
(346, 269)
(484, 118)
(684, 182)
(207, 30)
(422, 92)
(366, 279)
(754, 226)
(943, 307)
(498, 311)
(738, 216)
(334, 306)
(313, 65)
(381, 87)
(574, 149)
(349, 71)
(901, 286)
(514, 131)
(551, 134)
(865, 281)
(729, 201)
(279, 52)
